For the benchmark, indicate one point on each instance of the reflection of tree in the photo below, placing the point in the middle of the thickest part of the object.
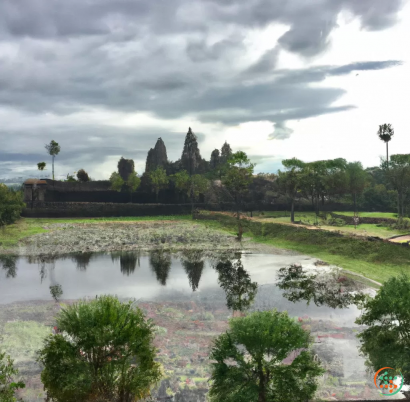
(332, 290)
(193, 265)
(42, 260)
(236, 282)
(160, 263)
(8, 263)
(128, 260)
(82, 260)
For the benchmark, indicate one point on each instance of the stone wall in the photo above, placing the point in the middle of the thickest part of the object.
(67, 186)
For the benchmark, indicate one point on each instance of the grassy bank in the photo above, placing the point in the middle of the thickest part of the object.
(374, 259)
(25, 227)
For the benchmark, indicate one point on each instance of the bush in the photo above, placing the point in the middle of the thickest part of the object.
(102, 351)
(11, 205)
(336, 222)
(7, 385)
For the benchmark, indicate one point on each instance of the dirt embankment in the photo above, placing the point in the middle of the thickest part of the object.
(65, 238)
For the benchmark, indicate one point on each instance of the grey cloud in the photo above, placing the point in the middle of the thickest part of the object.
(265, 64)
(281, 132)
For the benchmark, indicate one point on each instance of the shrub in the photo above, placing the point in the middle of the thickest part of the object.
(11, 205)
(336, 222)
(7, 385)
(102, 351)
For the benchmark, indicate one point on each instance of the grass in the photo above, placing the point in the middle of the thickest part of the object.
(375, 260)
(10, 235)
(388, 215)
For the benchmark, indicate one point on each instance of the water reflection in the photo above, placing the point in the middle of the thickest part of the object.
(82, 260)
(8, 263)
(240, 291)
(329, 288)
(45, 263)
(160, 263)
(128, 261)
(193, 263)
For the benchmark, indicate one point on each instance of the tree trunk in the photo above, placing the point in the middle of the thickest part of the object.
(262, 395)
(53, 166)
(239, 222)
(192, 201)
(398, 205)
(354, 201)
(156, 193)
(387, 151)
(292, 211)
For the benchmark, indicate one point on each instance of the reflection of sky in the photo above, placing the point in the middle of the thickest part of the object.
(104, 276)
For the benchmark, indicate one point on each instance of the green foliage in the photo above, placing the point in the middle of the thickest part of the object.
(56, 291)
(103, 351)
(248, 361)
(11, 205)
(53, 149)
(41, 166)
(385, 132)
(133, 182)
(116, 181)
(7, 385)
(158, 179)
(386, 341)
(82, 176)
(70, 178)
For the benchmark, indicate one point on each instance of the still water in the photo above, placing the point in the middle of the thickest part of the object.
(163, 278)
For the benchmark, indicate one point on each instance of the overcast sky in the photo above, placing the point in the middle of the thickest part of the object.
(276, 79)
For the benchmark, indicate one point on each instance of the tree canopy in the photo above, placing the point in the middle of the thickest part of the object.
(248, 361)
(102, 351)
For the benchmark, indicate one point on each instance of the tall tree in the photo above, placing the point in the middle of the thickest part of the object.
(237, 179)
(248, 361)
(290, 181)
(397, 172)
(125, 168)
(53, 149)
(357, 178)
(182, 182)
(385, 134)
(159, 179)
(133, 182)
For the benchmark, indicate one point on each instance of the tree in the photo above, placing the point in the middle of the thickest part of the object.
(248, 361)
(159, 179)
(116, 181)
(397, 172)
(357, 179)
(53, 149)
(182, 182)
(289, 182)
(385, 134)
(125, 168)
(11, 205)
(56, 291)
(8, 387)
(386, 340)
(103, 350)
(199, 185)
(237, 179)
(133, 182)
(82, 176)
(41, 166)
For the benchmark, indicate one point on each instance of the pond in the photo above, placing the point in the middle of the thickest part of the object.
(189, 296)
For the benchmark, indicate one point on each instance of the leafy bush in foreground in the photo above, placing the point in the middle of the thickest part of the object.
(7, 385)
(102, 351)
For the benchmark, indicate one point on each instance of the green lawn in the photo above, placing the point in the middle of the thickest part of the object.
(24, 227)
(389, 215)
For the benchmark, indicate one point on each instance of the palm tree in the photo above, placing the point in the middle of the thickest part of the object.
(386, 133)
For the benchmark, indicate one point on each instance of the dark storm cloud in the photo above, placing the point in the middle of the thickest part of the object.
(174, 59)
